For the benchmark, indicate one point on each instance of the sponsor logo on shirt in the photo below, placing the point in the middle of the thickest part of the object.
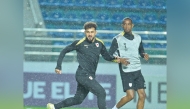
(97, 44)
(130, 84)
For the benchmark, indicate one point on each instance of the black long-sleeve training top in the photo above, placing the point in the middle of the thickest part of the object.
(87, 55)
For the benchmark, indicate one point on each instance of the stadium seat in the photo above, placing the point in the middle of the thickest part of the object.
(129, 4)
(145, 4)
(136, 18)
(118, 17)
(161, 37)
(56, 15)
(160, 45)
(139, 28)
(66, 3)
(147, 45)
(107, 44)
(159, 4)
(87, 17)
(157, 28)
(152, 37)
(81, 2)
(150, 19)
(45, 14)
(70, 16)
(96, 3)
(48, 2)
(113, 3)
(58, 43)
(163, 19)
(41, 2)
(68, 35)
(144, 36)
(103, 17)
(80, 35)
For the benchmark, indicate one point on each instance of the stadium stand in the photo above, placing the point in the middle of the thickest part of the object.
(147, 15)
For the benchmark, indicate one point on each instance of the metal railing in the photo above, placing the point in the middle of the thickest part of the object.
(44, 38)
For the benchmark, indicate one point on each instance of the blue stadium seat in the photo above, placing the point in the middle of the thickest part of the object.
(87, 17)
(156, 28)
(163, 19)
(105, 28)
(81, 2)
(70, 16)
(118, 17)
(103, 17)
(66, 3)
(45, 14)
(159, 4)
(68, 35)
(62, 42)
(113, 3)
(150, 19)
(100, 35)
(145, 4)
(111, 35)
(139, 28)
(80, 35)
(160, 45)
(48, 2)
(157, 37)
(96, 3)
(62, 34)
(129, 4)
(164, 45)
(57, 34)
(58, 43)
(147, 45)
(161, 37)
(152, 37)
(68, 42)
(56, 15)
(107, 44)
(41, 2)
(144, 36)
(136, 18)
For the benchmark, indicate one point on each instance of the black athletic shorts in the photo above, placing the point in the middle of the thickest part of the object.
(133, 80)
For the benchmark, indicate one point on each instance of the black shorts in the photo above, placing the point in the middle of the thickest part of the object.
(133, 80)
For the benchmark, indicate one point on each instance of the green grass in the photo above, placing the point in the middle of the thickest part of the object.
(62, 108)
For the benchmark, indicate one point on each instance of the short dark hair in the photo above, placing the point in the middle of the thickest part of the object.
(88, 25)
(126, 18)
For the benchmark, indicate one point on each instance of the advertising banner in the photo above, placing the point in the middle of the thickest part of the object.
(42, 88)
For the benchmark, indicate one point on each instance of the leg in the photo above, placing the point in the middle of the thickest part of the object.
(140, 86)
(80, 95)
(128, 87)
(142, 95)
(129, 96)
(99, 91)
(93, 86)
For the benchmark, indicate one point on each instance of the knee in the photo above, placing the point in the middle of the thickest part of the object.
(142, 96)
(101, 93)
(130, 96)
(78, 99)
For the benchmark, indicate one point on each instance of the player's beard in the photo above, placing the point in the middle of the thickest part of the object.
(90, 39)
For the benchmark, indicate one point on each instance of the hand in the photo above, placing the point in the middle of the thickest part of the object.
(124, 61)
(58, 71)
(146, 56)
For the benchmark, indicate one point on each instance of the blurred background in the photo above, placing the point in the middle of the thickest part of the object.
(50, 25)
